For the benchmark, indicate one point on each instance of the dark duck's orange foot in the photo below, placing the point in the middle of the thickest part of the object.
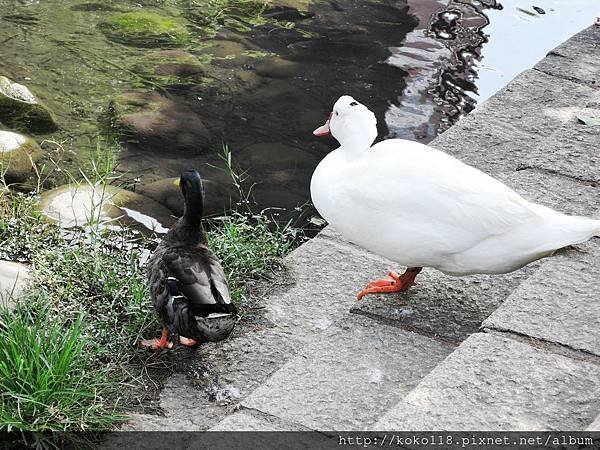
(396, 283)
(187, 341)
(158, 344)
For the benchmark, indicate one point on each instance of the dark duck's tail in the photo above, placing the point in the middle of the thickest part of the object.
(186, 280)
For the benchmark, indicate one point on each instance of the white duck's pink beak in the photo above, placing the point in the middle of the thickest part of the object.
(323, 130)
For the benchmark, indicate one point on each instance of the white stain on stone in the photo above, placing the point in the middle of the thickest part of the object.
(376, 376)
(10, 141)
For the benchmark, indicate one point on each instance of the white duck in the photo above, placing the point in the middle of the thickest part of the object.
(421, 207)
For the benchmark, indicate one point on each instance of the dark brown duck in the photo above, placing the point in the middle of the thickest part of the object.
(186, 280)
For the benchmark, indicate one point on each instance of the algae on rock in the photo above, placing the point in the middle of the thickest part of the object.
(145, 28)
(20, 109)
(170, 67)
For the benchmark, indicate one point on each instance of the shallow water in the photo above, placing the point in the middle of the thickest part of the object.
(418, 64)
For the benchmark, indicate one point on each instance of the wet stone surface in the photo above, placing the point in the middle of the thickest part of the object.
(18, 153)
(21, 109)
(152, 120)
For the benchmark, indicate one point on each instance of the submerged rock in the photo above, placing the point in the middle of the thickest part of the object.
(13, 279)
(169, 67)
(145, 28)
(154, 120)
(273, 157)
(276, 67)
(83, 205)
(299, 5)
(220, 194)
(17, 155)
(226, 49)
(20, 109)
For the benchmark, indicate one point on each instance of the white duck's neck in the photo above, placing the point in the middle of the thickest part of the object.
(357, 144)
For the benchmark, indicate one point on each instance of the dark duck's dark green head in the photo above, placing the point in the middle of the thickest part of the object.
(192, 189)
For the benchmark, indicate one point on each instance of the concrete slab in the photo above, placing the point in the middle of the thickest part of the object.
(349, 376)
(495, 383)
(576, 59)
(573, 152)
(559, 303)
(555, 191)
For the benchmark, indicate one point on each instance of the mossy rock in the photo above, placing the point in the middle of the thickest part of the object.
(21, 110)
(17, 155)
(170, 67)
(146, 29)
(82, 205)
(158, 122)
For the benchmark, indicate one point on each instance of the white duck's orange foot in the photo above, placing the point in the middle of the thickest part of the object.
(187, 342)
(158, 344)
(395, 283)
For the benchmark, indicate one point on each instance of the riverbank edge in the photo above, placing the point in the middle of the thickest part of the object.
(321, 365)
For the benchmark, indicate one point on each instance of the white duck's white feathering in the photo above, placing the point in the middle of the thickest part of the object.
(421, 207)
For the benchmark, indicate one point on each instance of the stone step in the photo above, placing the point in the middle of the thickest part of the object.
(345, 379)
(219, 376)
(492, 382)
(442, 306)
(574, 59)
(349, 369)
(559, 303)
(595, 426)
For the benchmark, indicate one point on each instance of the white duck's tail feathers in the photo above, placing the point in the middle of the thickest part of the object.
(569, 230)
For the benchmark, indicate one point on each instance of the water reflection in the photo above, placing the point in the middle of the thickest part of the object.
(441, 55)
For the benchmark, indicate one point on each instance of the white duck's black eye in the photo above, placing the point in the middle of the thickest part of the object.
(353, 103)
(337, 113)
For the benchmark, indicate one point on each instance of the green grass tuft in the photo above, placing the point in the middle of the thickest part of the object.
(250, 247)
(47, 382)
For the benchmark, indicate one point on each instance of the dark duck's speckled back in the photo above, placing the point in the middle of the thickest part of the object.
(186, 280)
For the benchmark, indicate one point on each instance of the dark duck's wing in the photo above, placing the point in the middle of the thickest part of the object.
(186, 280)
(191, 294)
